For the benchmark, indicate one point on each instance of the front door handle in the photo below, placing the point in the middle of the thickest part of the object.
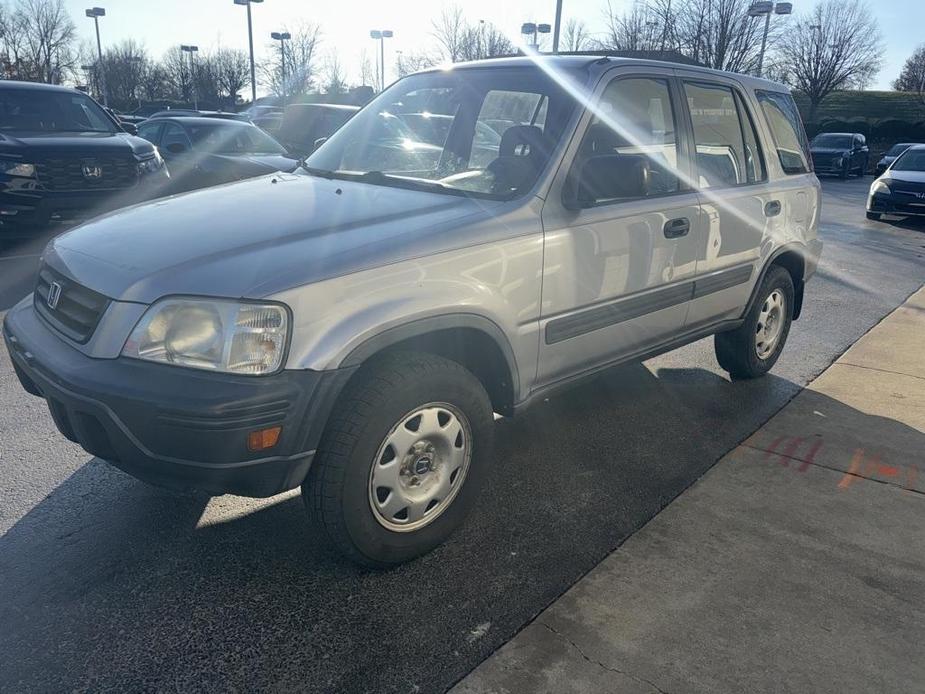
(772, 208)
(676, 228)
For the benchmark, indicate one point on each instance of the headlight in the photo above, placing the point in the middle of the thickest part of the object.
(152, 164)
(17, 168)
(211, 334)
(879, 186)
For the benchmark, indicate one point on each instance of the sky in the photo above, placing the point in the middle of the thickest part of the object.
(345, 24)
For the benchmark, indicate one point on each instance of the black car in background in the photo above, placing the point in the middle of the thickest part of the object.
(890, 156)
(901, 189)
(204, 152)
(303, 124)
(841, 154)
(63, 158)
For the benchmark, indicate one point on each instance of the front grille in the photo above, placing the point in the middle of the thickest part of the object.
(824, 161)
(77, 310)
(87, 173)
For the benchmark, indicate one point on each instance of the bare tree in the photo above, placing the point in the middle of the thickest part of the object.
(450, 31)
(48, 37)
(912, 76)
(123, 67)
(154, 82)
(410, 62)
(721, 35)
(575, 36)
(835, 46)
(176, 68)
(296, 73)
(232, 70)
(368, 75)
(632, 30)
(334, 81)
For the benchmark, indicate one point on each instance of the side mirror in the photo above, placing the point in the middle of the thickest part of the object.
(176, 148)
(320, 141)
(129, 128)
(607, 177)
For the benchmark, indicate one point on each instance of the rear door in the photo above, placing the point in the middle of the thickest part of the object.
(617, 274)
(741, 206)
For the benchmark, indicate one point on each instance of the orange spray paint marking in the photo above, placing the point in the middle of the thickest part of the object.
(811, 456)
(852, 469)
(773, 449)
(789, 451)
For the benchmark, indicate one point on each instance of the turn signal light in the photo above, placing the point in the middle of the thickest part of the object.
(263, 439)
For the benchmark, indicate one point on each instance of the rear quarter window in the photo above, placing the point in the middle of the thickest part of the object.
(783, 118)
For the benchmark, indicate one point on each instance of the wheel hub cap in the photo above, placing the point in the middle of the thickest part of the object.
(420, 467)
(770, 324)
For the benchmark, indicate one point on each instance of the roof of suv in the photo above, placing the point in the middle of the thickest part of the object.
(598, 63)
(37, 86)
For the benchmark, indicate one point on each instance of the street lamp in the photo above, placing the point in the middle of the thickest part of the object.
(557, 27)
(381, 35)
(96, 13)
(764, 9)
(528, 28)
(192, 74)
(282, 37)
(250, 43)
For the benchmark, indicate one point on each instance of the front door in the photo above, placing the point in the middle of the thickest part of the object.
(617, 273)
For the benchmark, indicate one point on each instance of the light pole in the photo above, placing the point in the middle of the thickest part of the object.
(282, 37)
(192, 74)
(381, 35)
(764, 9)
(96, 13)
(557, 27)
(531, 28)
(250, 43)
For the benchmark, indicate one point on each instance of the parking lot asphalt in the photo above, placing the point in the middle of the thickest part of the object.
(107, 584)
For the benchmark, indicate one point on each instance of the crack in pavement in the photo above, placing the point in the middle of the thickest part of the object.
(601, 665)
(874, 368)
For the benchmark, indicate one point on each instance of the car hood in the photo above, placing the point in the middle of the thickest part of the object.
(829, 150)
(257, 163)
(907, 176)
(28, 144)
(254, 238)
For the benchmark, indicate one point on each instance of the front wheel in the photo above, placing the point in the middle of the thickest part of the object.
(752, 349)
(874, 216)
(402, 458)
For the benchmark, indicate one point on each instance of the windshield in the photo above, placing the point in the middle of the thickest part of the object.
(896, 150)
(52, 111)
(912, 160)
(229, 138)
(480, 132)
(832, 141)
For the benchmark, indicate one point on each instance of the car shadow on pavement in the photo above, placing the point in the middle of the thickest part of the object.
(109, 583)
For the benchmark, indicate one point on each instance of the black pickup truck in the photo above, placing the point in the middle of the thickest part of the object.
(64, 159)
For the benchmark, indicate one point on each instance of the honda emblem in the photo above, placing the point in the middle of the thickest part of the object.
(54, 295)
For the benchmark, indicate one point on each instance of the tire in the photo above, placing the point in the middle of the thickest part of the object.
(845, 170)
(738, 351)
(874, 216)
(350, 487)
(862, 169)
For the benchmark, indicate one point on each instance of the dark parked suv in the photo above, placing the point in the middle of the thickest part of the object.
(63, 158)
(840, 153)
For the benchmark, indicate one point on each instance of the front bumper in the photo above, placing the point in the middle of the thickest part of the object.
(23, 205)
(889, 204)
(173, 426)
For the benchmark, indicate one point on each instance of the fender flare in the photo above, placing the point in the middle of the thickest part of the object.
(800, 248)
(423, 326)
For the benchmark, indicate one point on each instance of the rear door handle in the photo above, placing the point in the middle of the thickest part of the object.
(772, 208)
(676, 228)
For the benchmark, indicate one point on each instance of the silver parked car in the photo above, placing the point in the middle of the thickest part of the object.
(351, 328)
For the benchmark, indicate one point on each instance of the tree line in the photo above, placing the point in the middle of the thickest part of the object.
(835, 45)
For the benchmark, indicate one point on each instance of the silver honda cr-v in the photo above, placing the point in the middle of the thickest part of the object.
(472, 239)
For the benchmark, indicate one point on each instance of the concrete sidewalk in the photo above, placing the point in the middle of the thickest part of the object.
(797, 563)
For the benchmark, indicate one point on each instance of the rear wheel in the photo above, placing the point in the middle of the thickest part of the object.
(402, 459)
(752, 349)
